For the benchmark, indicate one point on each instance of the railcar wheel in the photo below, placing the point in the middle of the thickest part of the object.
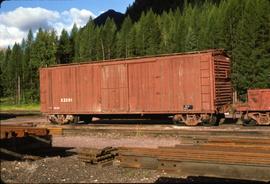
(249, 122)
(61, 119)
(177, 119)
(262, 118)
(191, 120)
(256, 118)
(53, 119)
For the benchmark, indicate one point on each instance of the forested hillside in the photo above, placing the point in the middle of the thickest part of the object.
(242, 27)
(159, 6)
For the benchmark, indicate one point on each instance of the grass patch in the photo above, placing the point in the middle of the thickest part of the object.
(7, 105)
(22, 107)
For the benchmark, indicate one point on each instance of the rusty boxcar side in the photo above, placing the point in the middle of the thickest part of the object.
(257, 109)
(191, 86)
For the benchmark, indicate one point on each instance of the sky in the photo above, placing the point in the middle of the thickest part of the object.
(18, 16)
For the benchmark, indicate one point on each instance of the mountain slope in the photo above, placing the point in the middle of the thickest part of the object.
(116, 16)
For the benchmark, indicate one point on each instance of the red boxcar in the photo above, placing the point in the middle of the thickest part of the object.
(192, 87)
(257, 109)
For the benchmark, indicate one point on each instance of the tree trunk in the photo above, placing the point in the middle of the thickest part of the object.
(103, 52)
(235, 100)
(19, 90)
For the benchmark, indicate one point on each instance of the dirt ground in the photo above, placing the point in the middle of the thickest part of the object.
(21, 120)
(71, 170)
(68, 168)
(65, 167)
(110, 141)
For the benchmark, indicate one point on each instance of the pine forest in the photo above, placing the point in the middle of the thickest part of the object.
(241, 27)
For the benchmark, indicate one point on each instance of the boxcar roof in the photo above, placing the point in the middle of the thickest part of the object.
(213, 51)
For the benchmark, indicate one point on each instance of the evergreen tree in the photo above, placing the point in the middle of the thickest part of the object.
(251, 64)
(215, 26)
(74, 43)
(87, 42)
(51, 42)
(132, 41)
(242, 27)
(149, 34)
(210, 26)
(29, 86)
(191, 28)
(64, 49)
(43, 53)
(233, 10)
(15, 72)
(44, 49)
(139, 37)
(98, 45)
(2, 60)
(107, 39)
(179, 32)
(24, 72)
(6, 75)
(168, 27)
(123, 39)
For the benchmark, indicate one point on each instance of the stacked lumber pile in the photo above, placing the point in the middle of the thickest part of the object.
(98, 156)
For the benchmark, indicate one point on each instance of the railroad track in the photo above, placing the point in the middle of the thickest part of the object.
(158, 130)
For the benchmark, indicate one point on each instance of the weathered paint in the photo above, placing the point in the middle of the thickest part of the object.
(259, 99)
(178, 83)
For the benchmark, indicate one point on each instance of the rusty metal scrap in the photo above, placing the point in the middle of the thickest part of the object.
(16, 141)
(8, 131)
(234, 159)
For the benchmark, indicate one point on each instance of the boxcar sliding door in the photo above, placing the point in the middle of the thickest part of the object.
(114, 91)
